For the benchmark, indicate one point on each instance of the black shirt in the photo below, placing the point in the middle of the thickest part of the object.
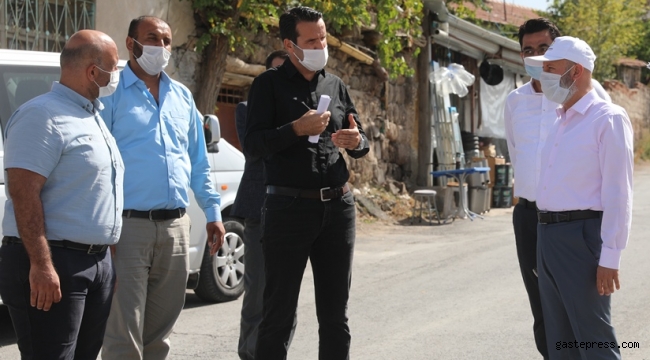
(282, 95)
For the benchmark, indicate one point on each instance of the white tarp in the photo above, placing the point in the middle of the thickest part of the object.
(493, 102)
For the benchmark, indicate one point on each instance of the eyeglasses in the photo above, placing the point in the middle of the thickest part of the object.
(532, 52)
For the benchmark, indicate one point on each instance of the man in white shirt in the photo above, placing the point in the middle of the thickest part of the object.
(528, 117)
(584, 197)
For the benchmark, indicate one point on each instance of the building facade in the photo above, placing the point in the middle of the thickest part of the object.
(387, 108)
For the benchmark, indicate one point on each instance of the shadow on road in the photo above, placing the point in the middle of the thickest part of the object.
(7, 335)
(192, 301)
(424, 220)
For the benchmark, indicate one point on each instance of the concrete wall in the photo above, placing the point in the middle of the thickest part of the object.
(113, 17)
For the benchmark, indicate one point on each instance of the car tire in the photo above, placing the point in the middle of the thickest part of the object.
(222, 275)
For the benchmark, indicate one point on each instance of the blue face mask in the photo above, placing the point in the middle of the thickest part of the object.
(533, 71)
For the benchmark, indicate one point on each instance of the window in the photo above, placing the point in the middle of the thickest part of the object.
(230, 95)
(43, 25)
(22, 83)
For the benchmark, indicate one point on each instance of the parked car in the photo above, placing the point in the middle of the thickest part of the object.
(218, 278)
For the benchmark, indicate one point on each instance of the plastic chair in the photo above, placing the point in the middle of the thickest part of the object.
(422, 196)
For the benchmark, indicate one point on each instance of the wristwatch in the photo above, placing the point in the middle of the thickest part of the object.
(362, 144)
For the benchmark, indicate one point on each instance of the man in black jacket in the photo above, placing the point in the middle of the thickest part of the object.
(309, 210)
(248, 205)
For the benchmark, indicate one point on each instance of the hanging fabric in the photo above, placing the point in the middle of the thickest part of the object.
(493, 102)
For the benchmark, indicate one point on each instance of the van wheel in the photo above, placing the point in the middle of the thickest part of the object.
(222, 275)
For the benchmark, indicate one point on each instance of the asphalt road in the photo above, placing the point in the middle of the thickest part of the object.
(427, 292)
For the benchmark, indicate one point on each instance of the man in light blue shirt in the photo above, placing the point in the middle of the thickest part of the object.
(63, 209)
(160, 135)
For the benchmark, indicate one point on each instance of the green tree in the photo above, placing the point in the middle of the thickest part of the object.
(396, 21)
(642, 51)
(613, 28)
(223, 24)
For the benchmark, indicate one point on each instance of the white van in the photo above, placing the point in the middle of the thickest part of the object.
(27, 74)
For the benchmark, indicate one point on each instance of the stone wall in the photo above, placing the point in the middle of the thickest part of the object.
(636, 101)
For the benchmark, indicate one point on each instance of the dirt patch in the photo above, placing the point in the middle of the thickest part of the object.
(391, 200)
(393, 205)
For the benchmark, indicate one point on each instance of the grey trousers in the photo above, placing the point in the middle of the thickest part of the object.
(152, 264)
(251, 311)
(577, 318)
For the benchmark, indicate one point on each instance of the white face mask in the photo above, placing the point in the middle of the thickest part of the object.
(552, 88)
(314, 60)
(110, 88)
(153, 59)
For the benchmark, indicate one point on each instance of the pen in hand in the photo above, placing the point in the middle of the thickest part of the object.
(323, 104)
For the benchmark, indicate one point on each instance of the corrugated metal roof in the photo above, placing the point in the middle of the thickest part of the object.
(499, 13)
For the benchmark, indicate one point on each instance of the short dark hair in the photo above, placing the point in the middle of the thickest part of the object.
(276, 54)
(133, 26)
(536, 25)
(81, 55)
(291, 18)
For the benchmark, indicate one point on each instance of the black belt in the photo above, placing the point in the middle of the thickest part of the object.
(527, 204)
(88, 249)
(324, 194)
(155, 215)
(551, 217)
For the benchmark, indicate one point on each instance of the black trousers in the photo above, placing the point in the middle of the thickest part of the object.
(524, 221)
(74, 327)
(254, 283)
(295, 230)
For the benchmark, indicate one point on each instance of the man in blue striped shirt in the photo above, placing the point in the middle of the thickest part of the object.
(160, 135)
(64, 181)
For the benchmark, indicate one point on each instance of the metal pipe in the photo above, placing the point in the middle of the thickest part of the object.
(517, 69)
(476, 41)
(510, 59)
(512, 56)
(443, 39)
(458, 23)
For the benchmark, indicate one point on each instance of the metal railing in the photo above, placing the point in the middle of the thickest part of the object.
(43, 25)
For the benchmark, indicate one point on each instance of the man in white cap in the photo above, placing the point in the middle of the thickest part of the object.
(584, 197)
(529, 116)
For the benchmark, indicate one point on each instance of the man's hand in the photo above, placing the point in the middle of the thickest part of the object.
(348, 138)
(311, 123)
(216, 233)
(25, 187)
(44, 285)
(606, 279)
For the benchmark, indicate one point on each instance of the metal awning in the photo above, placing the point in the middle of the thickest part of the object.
(478, 43)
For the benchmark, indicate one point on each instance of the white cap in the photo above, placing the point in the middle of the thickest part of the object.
(569, 48)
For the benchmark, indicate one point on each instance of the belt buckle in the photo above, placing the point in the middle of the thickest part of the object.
(562, 217)
(542, 214)
(151, 215)
(90, 249)
(321, 194)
